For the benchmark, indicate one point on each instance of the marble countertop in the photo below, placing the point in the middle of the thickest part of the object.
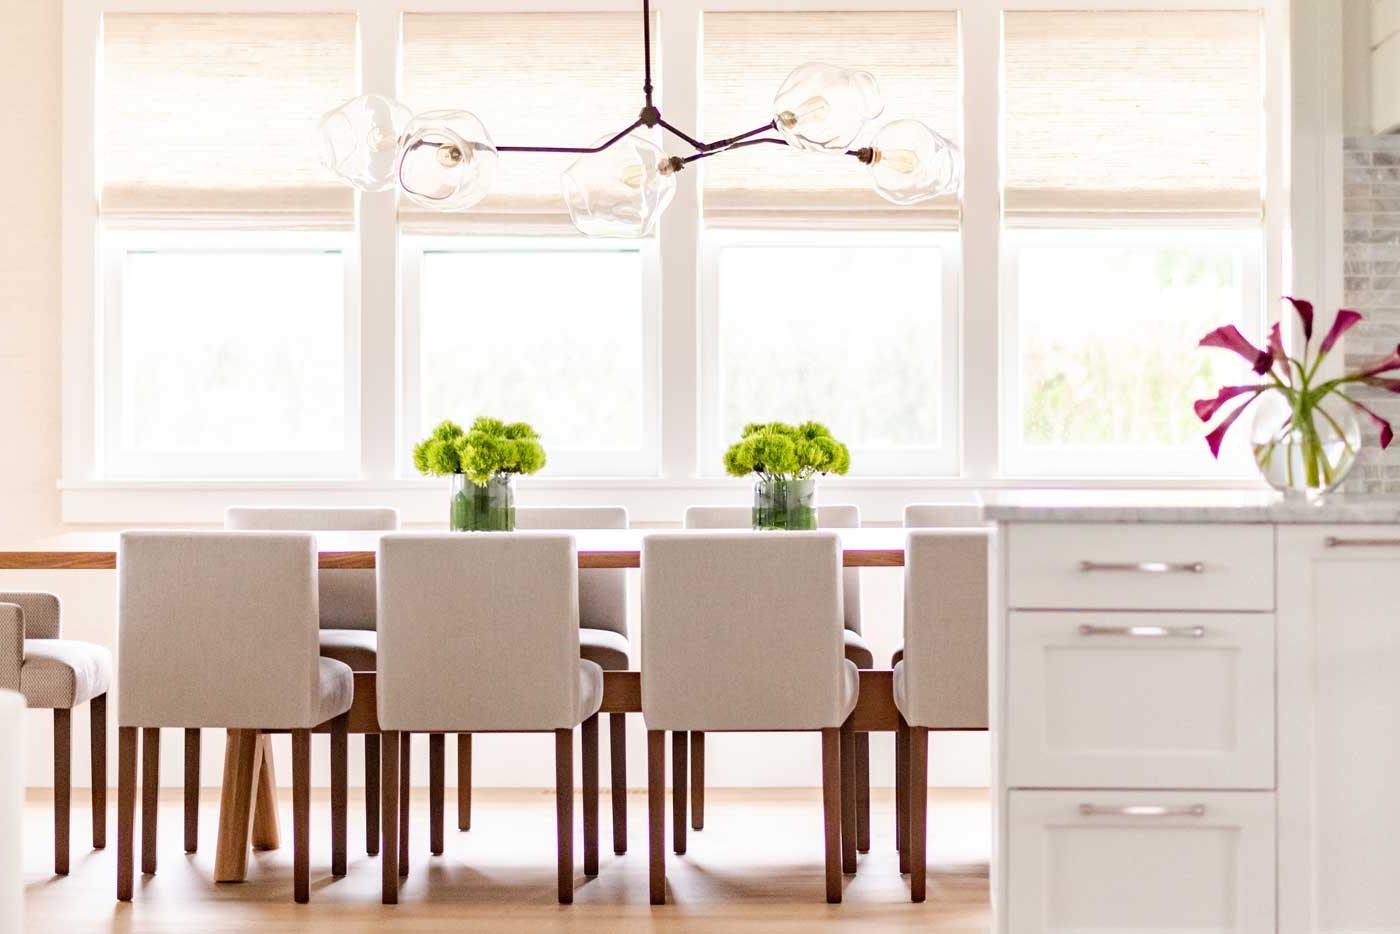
(1224, 506)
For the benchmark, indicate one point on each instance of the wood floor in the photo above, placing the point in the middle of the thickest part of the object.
(756, 866)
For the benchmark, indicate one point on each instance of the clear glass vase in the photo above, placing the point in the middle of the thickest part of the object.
(1304, 450)
(785, 504)
(489, 508)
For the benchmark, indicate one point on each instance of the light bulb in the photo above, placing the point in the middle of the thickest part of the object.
(446, 161)
(619, 191)
(909, 162)
(823, 108)
(360, 139)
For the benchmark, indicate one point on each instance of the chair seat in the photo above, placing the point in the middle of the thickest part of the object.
(63, 673)
(901, 696)
(357, 648)
(850, 689)
(858, 650)
(337, 689)
(605, 648)
(590, 690)
(898, 655)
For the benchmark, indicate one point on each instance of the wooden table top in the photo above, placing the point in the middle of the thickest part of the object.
(597, 548)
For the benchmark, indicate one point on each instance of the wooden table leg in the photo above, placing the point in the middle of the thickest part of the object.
(267, 834)
(242, 763)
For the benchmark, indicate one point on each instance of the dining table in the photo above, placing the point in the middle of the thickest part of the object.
(248, 800)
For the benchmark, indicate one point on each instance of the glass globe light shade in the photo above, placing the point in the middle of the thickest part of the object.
(909, 162)
(447, 160)
(823, 108)
(621, 191)
(360, 140)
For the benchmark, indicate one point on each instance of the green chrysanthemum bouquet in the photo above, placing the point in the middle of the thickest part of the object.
(483, 462)
(786, 459)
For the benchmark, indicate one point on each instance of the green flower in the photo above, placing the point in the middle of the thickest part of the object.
(777, 449)
(488, 448)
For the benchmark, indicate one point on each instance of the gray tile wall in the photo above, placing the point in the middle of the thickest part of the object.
(1371, 254)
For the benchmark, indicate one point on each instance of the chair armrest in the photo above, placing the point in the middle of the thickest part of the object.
(41, 613)
(11, 645)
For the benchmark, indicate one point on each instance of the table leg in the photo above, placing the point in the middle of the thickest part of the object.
(242, 763)
(266, 833)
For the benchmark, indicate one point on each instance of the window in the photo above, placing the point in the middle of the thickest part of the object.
(1133, 203)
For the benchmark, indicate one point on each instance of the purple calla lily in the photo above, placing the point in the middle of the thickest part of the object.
(1305, 312)
(1340, 325)
(1387, 435)
(1216, 437)
(1206, 408)
(1230, 338)
(1384, 365)
(1276, 345)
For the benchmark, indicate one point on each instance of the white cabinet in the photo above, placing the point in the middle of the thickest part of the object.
(1140, 700)
(1140, 863)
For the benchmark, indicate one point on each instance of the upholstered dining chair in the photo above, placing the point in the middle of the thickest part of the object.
(480, 634)
(857, 650)
(12, 709)
(963, 638)
(58, 674)
(603, 639)
(940, 682)
(347, 617)
(707, 668)
(219, 629)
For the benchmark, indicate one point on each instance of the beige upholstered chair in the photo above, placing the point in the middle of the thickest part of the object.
(480, 634)
(602, 613)
(11, 811)
(59, 674)
(219, 629)
(941, 681)
(857, 650)
(707, 667)
(346, 606)
(943, 516)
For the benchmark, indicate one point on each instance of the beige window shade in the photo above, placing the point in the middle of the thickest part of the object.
(1133, 112)
(534, 79)
(914, 57)
(211, 118)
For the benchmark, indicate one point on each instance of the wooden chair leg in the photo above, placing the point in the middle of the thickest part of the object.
(150, 791)
(372, 803)
(656, 813)
(863, 792)
(680, 742)
(437, 782)
(918, 812)
(464, 781)
(192, 737)
(848, 799)
(340, 804)
(389, 807)
(266, 834)
(97, 712)
(62, 786)
(301, 815)
(831, 811)
(697, 781)
(617, 750)
(564, 810)
(128, 739)
(590, 796)
(405, 784)
(901, 793)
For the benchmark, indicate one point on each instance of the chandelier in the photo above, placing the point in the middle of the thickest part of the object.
(618, 187)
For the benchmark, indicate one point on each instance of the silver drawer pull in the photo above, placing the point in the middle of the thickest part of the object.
(1145, 567)
(1334, 542)
(1142, 810)
(1146, 632)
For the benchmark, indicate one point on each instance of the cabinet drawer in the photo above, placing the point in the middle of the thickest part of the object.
(1140, 862)
(1140, 700)
(1145, 566)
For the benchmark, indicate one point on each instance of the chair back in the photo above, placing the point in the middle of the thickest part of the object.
(945, 628)
(217, 629)
(943, 516)
(828, 517)
(347, 595)
(742, 631)
(602, 592)
(478, 632)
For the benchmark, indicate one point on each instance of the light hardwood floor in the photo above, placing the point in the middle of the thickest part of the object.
(756, 866)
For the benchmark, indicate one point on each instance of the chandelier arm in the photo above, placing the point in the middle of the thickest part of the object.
(694, 143)
(748, 142)
(646, 49)
(576, 149)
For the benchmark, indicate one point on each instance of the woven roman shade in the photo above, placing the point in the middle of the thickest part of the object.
(1153, 113)
(746, 56)
(534, 79)
(210, 119)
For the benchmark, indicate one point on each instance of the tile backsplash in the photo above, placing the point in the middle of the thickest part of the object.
(1371, 255)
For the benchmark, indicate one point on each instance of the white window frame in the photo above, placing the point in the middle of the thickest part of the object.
(935, 460)
(641, 462)
(1302, 219)
(117, 463)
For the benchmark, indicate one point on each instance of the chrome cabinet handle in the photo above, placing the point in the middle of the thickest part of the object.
(1145, 567)
(1142, 810)
(1332, 541)
(1145, 632)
